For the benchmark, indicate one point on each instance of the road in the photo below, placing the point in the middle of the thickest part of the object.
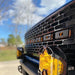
(9, 68)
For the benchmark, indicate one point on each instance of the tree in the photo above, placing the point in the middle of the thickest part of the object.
(14, 41)
(2, 40)
(4, 6)
(11, 40)
(18, 39)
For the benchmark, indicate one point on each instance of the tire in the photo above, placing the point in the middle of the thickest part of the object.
(24, 72)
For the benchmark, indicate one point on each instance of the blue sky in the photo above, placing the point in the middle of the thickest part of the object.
(8, 22)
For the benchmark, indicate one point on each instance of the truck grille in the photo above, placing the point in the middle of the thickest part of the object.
(57, 29)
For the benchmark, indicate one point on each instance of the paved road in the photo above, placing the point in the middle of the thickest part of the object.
(9, 68)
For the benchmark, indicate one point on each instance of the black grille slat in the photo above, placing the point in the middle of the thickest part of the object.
(61, 26)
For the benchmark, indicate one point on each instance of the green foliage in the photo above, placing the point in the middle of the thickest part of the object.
(11, 40)
(18, 39)
(14, 41)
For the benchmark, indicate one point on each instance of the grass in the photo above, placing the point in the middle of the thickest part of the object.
(6, 55)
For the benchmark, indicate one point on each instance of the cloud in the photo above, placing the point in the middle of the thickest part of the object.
(29, 19)
(48, 5)
(26, 13)
(1, 22)
(23, 13)
(2, 19)
(11, 12)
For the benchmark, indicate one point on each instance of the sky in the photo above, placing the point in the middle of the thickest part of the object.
(21, 15)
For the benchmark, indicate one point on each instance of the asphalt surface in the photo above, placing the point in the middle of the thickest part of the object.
(9, 68)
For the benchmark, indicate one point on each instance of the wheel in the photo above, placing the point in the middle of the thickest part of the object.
(24, 72)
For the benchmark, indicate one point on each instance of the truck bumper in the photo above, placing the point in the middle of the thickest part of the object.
(29, 67)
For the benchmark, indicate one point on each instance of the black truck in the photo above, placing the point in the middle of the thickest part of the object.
(50, 45)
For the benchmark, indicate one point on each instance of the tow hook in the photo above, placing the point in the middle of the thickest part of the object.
(20, 69)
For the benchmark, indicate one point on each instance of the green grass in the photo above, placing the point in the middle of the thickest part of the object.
(6, 55)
